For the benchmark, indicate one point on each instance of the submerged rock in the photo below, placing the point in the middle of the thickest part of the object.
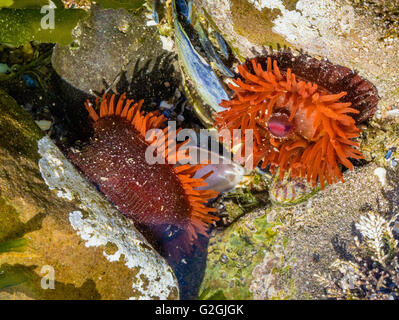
(337, 30)
(317, 232)
(72, 235)
(233, 254)
(107, 43)
(274, 252)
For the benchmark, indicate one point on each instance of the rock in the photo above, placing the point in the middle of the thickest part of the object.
(108, 42)
(379, 142)
(94, 56)
(338, 30)
(274, 252)
(71, 233)
(317, 232)
(233, 254)
(44, 125)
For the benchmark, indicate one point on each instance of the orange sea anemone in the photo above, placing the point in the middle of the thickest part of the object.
(303, 127)
(153, 195)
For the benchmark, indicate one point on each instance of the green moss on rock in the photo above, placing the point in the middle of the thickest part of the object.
(232, 256)
(19, 26)
(378, 139)
(18, 131)
(257, 25)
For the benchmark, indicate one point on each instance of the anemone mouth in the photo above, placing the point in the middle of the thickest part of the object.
(150, 194)
(321, 139)
(279, 125)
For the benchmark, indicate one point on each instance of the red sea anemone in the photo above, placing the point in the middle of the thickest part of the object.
(151, 194)
(303, 112)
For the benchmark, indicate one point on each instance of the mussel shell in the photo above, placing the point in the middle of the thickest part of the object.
(203, 87)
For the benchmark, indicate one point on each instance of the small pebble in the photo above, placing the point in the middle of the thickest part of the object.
(393, 113)
(4, 68)
(43, 124)
(389, 153)
(381, 173)
(166, 105)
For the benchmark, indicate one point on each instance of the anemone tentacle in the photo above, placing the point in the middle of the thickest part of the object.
(127, 114)
(298, 125)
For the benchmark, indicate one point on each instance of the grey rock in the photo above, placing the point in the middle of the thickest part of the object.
(108, 42)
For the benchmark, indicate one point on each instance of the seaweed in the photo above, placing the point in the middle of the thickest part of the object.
(19, 26)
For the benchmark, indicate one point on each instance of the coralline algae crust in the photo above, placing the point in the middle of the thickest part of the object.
(100, 224)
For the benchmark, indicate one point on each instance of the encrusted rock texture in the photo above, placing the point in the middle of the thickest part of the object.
(275, 252)
(68, 235)
(303, 240)
(342, 31)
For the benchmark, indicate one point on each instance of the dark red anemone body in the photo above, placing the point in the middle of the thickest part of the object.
(360, 92)
(153, 195)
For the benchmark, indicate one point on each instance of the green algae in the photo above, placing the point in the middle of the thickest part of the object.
(11, 276)
(21, 4)
(378, 139)
(18, 131)
(6, 3)
(232, 256)
(15, 245)
(252, 194)
(126, 4)
(257, 25)
(19, 26)
(244, 199)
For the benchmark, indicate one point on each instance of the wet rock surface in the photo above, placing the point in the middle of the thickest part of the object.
(317, 232)
(109, 43)
(309, 236)
(52, 234)
(275, 252)
(341, 31)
